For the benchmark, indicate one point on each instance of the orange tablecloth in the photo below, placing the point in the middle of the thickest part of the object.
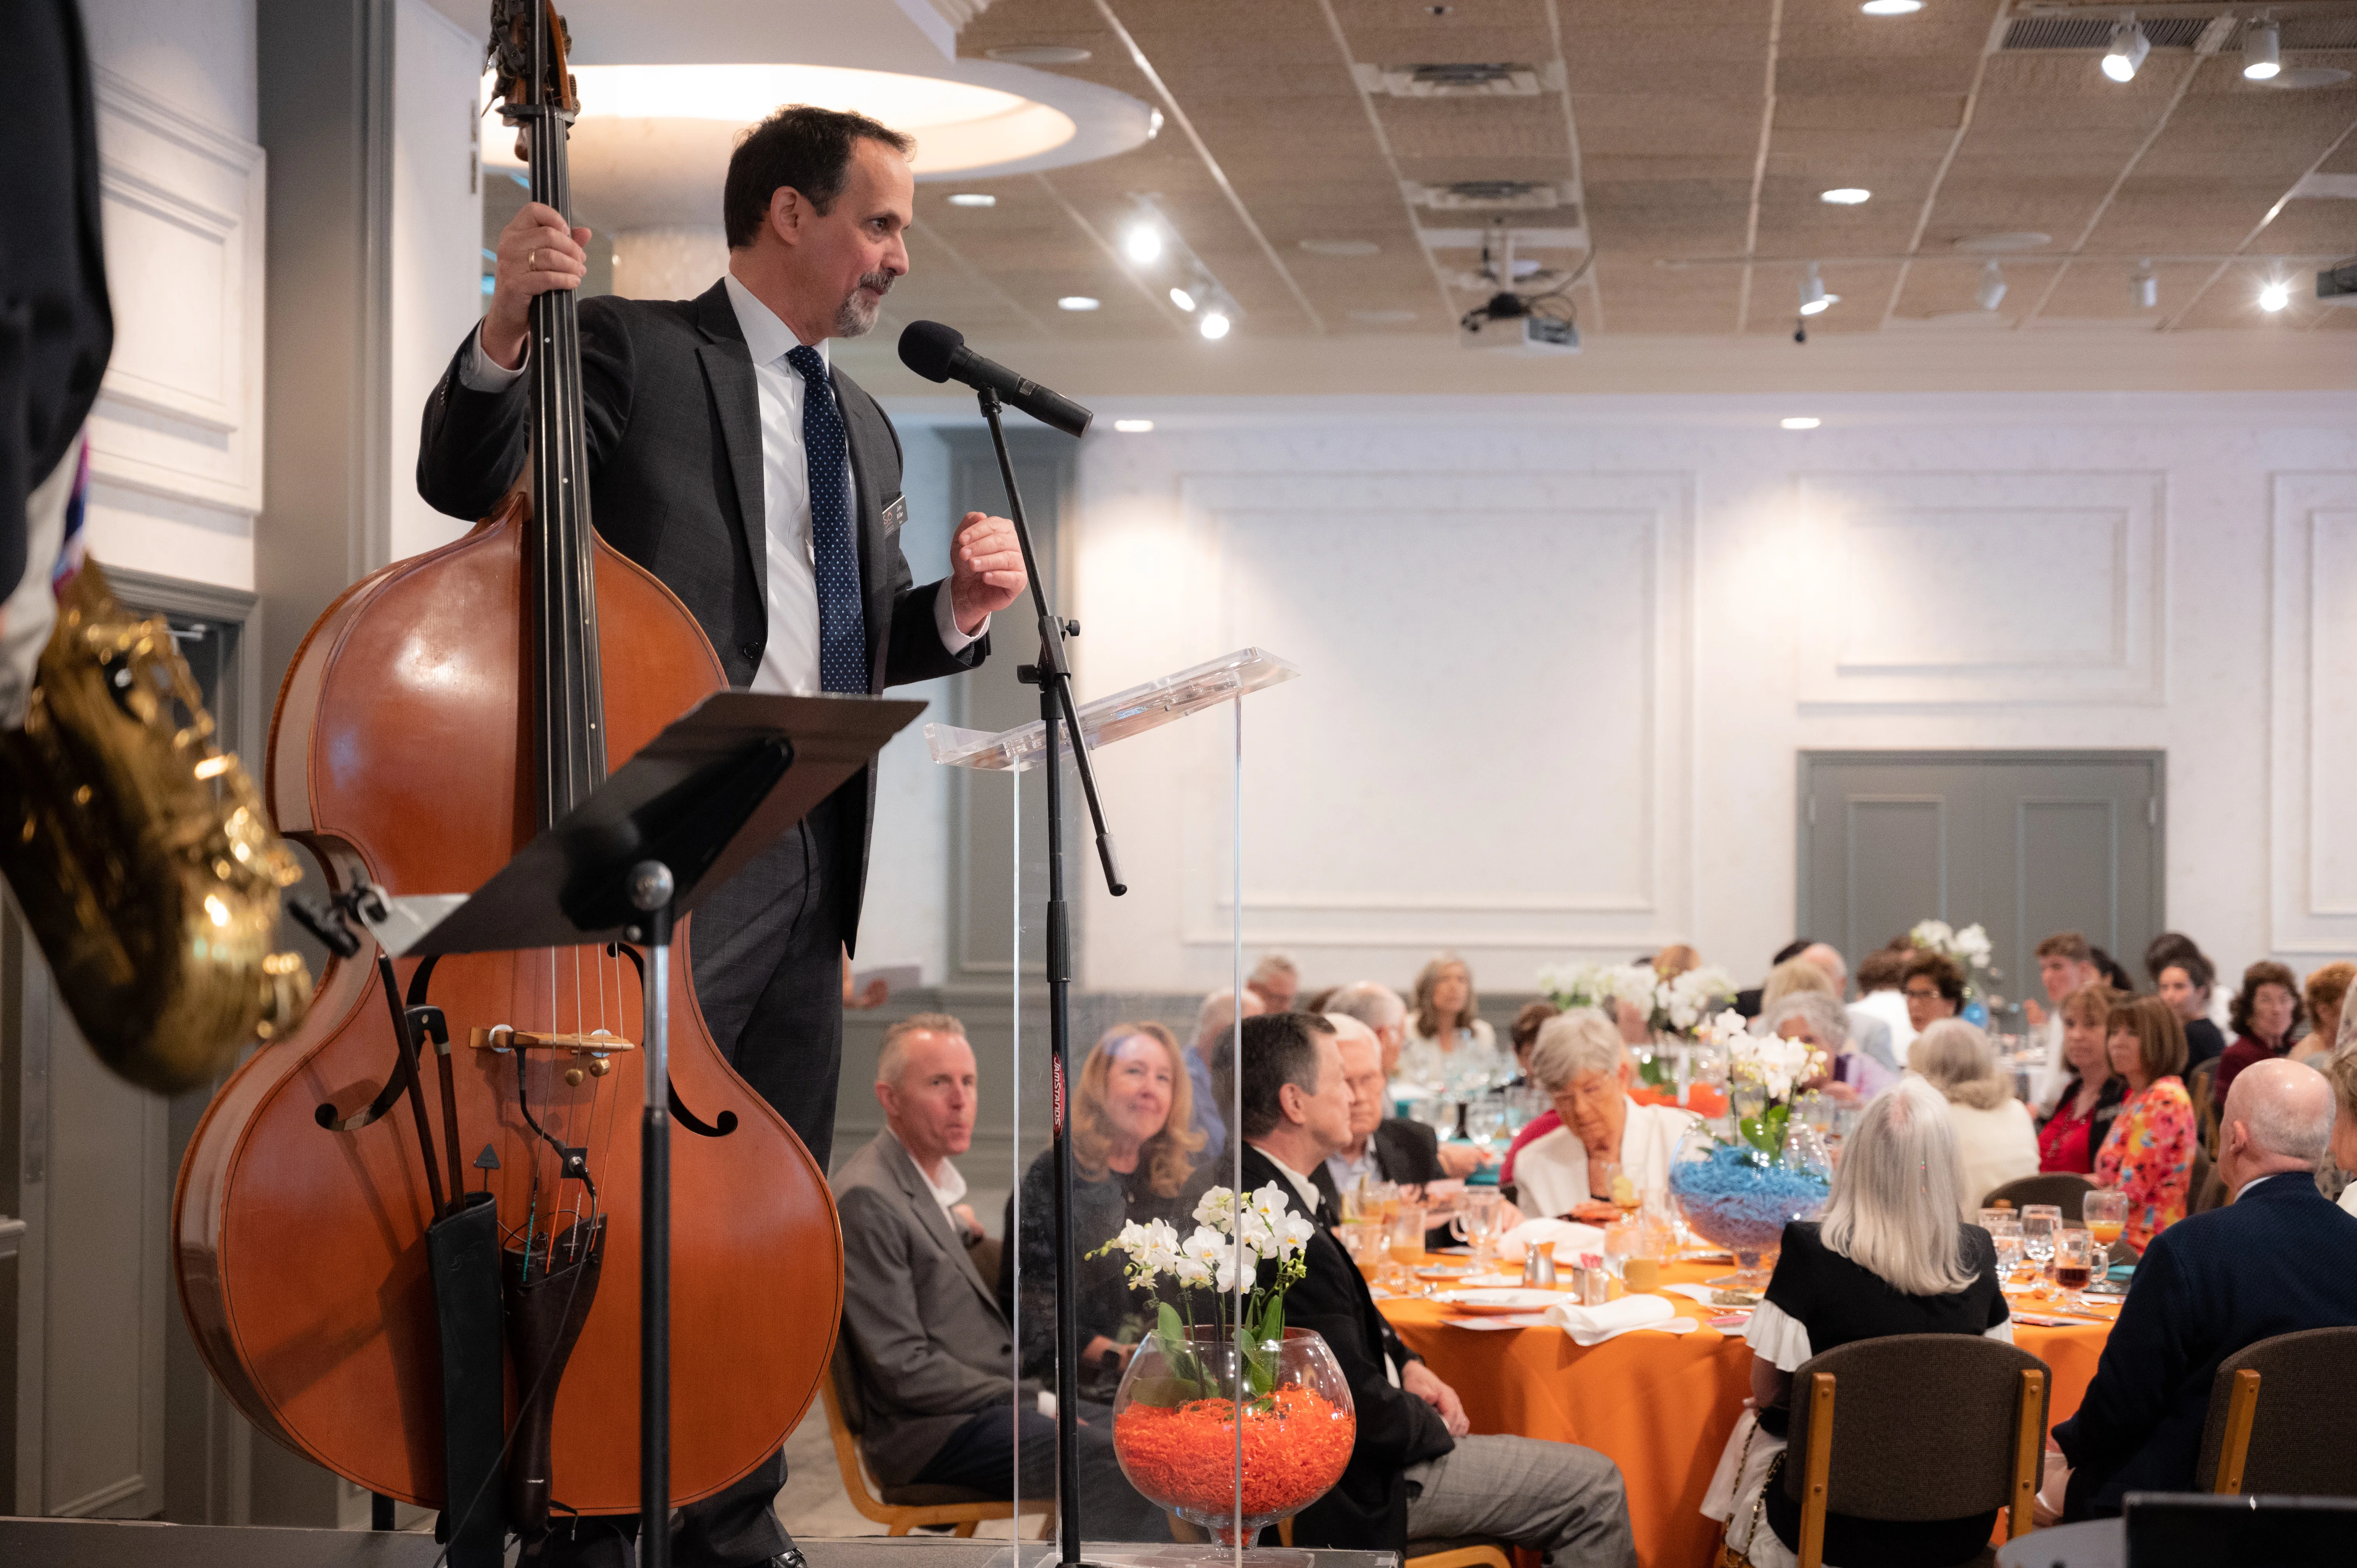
(1660, 1406)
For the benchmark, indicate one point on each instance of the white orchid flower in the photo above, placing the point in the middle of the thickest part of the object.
(1215, 1207)
(1293, 1234)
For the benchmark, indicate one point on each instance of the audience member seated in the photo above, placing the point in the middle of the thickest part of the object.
(2148, 1153)
(1379, 1007)
(1792, 975)
(1673, 961)
(2264, 1013)
(1382, 1147)
(1890, 1257)
(2183, 980)
(1413, 1473)
(1869, 1034)
(2326, 989)
(933, 1353)
(2065, 965)
(1748, 1002)
(1585, 1067)
(1996, 1140)
(1881, 976)
(1933, 984)
(1215, 1037)
(1449, 1044)
(2110, 971)
(2341, 1069)
(1525, 1034)
(2090, 1100)
(1276, 981)
(1819, 1018)
(1133, 1158)
(2278, 1260)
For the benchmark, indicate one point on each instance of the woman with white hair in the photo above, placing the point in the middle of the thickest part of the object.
(1995, 1139)
(1819, 1018)
(1888, 1258)
(1582, 1063)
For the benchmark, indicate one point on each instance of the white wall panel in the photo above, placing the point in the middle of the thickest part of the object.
(2314, 857)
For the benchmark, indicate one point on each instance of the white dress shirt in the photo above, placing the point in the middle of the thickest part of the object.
(789, 648)
(948, 1188)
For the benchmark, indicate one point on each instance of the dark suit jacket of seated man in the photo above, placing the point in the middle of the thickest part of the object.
(1413, 1469)
(2280, 1257)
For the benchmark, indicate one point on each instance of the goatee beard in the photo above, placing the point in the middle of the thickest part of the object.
(858, 315)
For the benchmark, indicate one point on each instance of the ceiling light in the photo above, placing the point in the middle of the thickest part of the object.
(1890, 8)
(2144, 288)
(1213, 326)
(1807, 421)
(1844, 196)
(1814, 297)
(1076, 302)
(1132, 426)
(2129, 46)
(1182, 299)
(1037, 54)
(974, 199)
(1142, 244)
(2274, 295)
(1991, 293)
(2262, 51)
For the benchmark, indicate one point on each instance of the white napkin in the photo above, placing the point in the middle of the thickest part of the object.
(1595, 1324)
(1570, 1239)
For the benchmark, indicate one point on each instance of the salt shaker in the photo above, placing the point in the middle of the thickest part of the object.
(1538, 1264)
(1593, 1281)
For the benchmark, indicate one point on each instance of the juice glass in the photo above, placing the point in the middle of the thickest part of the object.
(2105, 1212)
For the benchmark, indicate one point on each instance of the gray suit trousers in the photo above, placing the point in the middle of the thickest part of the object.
(1559, 1499)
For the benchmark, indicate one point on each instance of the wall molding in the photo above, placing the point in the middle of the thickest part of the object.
(2312, 850)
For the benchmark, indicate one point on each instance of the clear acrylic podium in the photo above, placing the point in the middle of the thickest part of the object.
(1225, 681)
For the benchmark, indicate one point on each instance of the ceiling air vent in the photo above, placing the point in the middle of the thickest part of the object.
(2095, 32)
(1520, 195)
(1460, 80)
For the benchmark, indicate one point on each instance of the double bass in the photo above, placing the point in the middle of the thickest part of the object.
(441, 713)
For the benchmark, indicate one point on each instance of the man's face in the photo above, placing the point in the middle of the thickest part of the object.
(2062, 974)
(1828, 958)
(1325, 1112)
(2185, 999)
(1363, 1073)
(853, 252)
(1275, 992)
(932, 1108)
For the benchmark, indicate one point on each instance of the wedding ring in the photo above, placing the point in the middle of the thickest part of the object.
(532, 262)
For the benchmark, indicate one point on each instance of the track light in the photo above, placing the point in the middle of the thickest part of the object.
(1814, 300)
(1991, 293)
(2274, 295)
(1182, 299)
(1142, 244)
(2144, 288)
(2129, 46)
(2262, 51)
(1213, 325)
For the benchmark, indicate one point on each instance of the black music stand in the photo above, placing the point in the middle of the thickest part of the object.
(718, 787)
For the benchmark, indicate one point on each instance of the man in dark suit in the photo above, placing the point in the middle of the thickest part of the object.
(1414, 1472)
(764, 489)
(2279, 1259)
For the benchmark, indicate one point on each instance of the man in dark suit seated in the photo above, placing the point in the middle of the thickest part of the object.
(934, 1355)
(2279, 1259)
(1382, 1148)
(1413, 1473)
(1380, 1008)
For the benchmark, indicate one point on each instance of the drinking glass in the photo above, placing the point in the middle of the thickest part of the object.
(1992, 1217)
(1484, 1118)
(2039, 1223)
(2105, 1211)
(2007, 1234)
(2073, 1251)
(1476, 1221)
(1620, 1189)
(1369, 1244)
(1623, 1239)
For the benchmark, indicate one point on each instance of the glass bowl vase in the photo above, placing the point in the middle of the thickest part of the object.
(1735, 1195)
(1174, 1427)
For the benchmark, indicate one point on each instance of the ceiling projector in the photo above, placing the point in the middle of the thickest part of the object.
(1509, 323)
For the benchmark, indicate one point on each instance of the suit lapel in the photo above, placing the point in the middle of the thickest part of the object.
(728, 371)
(936, 1223)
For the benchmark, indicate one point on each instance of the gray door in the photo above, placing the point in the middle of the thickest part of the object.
(2024, 842)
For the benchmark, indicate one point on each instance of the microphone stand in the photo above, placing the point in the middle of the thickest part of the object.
(1053, 676)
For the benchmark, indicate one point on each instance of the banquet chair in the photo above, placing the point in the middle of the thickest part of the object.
(903, 1509)
(1881, 1459)
(2296, 1440)
(1458, 1552)
(2201, 1087)
(2065, 1189)
(2205, 1189)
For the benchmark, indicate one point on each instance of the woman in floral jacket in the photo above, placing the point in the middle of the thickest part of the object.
(2150, 1153)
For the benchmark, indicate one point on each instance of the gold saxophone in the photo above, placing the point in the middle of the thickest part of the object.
(141, 856)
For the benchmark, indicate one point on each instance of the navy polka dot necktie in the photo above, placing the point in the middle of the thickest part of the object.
(842, 624)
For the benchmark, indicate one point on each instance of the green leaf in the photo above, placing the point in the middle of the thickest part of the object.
(1271, 1322)
(1166, 1392)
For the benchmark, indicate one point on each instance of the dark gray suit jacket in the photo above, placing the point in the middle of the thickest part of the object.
(674, 427)
(926, 1334)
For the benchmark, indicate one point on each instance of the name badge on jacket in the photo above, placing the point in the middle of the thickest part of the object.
(896, 512)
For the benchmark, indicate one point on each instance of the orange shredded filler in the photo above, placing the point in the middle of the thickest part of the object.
(1184, 1456)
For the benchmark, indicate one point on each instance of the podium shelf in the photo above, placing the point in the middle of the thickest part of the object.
(1124, 713)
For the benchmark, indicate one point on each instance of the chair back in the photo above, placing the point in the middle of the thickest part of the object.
(2304, 1427)
(2065, 1189)
(1928, 1426)
(841, 1390)
(2201, 1087)
(2203, 1188)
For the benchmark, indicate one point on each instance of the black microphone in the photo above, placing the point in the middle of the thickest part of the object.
(939, 353)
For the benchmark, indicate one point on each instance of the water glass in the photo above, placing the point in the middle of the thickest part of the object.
(2040, 1223)
(1623, 1239)
(1484, 1118)
(1476, 1221)
(2007, 1234)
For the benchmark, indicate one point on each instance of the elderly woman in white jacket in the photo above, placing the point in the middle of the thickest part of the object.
(1584, 1065)
(1995, 1139)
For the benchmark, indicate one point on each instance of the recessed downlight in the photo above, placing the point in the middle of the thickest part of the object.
(1132, 426)
(1076, 302)
(1142, 245)
(1810, 420)
(1182, 299)
(2274, 295)
(1846, 195)
(1213, 325)
(974, 199)
(1891, 8)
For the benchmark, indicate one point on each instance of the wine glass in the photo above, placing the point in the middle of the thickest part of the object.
(1476, 1221)
(2007, 1234)
(2105, 1211)
(2039, 1224)
(2074, 1267)
(1484, 1118)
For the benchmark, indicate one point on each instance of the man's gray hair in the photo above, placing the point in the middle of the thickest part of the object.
(1955, 1057)
(1898, 1194)
(1828, 1020)
(1348, 1028)
(1272, 966)
(1572, 1045)
(2287, 1113)
(1376, 1004)
(892, 1058)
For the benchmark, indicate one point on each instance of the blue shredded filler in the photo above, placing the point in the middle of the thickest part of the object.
(1738, 1200)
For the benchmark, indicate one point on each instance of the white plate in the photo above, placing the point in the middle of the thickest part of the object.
(1449, 1272)
(1498, 1300)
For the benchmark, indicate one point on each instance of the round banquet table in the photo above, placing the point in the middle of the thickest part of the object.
(1658, 1405)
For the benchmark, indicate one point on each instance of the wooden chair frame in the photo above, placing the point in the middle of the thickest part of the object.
(2028, 1460)
(1483, 1554)
(2242, 1412)
(900, 1519)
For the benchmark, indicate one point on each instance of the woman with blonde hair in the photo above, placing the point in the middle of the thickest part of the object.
(1793, 977)
(1449, 1045)
(1996, 1140)
(1134, 1145)
(1890, 1257)
(2148, 1153)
